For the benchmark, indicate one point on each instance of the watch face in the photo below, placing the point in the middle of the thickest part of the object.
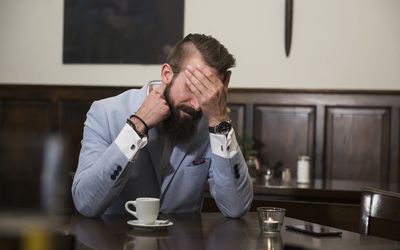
(223, 128)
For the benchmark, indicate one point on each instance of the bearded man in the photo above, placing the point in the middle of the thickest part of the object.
(166, 140)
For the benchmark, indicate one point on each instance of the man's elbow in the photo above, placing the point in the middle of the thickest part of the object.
(87, 212)
(237, 211)
(85, 207)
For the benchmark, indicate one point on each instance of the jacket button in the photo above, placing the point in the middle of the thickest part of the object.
(133, 147)
(113, 177)
(116, 172)
(119, 168)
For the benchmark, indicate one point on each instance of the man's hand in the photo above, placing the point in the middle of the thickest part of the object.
(154, 108)
(209, 91)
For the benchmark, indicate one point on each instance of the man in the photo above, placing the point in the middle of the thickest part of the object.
(166, 140)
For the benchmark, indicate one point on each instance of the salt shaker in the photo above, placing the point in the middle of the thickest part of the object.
(286, 175)
(303, 169)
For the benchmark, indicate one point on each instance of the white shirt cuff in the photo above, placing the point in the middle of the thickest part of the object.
(224, 146)
(129, 142)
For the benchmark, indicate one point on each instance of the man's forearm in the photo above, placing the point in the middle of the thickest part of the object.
(230, 185)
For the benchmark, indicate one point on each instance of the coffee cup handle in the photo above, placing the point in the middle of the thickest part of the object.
(128, 209)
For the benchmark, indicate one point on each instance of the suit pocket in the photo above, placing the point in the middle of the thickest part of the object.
(200, 163)
(197, 172)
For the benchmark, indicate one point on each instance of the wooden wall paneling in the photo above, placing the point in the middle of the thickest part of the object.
(396, 148)
(72, 116)
(319, 169)
(357, 143)
(286, 132)
(395, 145)
(1, 113)
(276, 118)
(234, 97)
(249, 120)
(26, 116)
(24, 124)
(3, 201)
(237, 115)
(21, 158)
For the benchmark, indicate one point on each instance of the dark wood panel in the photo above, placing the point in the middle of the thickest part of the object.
(21, 160)
(395, 144)
(285, 132)
(357, 145)
(237, 114)
(321, 99)
(23, 124)
(71, 121)
(26, 116)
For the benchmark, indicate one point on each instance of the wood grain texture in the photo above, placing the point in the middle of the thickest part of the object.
(357, 144)
(285, 132)
(348, 134)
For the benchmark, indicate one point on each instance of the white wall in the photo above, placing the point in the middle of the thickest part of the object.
(337, 44)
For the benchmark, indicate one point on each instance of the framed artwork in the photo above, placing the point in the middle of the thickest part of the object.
(121, 31)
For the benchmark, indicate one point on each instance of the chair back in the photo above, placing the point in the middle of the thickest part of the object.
(380, 213)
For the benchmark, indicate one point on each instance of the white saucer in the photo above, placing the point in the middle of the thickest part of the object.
(159, 225)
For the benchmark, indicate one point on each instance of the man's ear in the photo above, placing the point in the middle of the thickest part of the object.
(227, 78)
(166, 73)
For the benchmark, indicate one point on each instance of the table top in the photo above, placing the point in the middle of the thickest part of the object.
(209, 231)
(344, 185)
(342, 191)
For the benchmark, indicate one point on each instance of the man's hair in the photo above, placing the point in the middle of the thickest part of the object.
(214, 53)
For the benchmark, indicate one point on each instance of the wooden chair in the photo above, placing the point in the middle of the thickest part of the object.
(380, 213)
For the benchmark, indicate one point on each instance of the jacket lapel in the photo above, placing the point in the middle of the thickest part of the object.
(181, 151)
(153, 144)
(154, 147)
(178, 154)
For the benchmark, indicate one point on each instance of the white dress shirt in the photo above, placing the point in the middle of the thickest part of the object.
(129, 142)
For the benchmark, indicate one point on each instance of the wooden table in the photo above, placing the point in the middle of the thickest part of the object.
(210, 231)
(337, 201)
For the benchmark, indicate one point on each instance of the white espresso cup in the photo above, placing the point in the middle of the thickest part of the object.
(146, 209)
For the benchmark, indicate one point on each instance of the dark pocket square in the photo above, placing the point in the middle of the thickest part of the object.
(199, 161)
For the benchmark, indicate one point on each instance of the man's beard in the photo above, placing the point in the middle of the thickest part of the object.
(176, 128)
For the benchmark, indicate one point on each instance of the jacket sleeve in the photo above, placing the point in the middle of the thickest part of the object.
(98, 179)
(230, 184)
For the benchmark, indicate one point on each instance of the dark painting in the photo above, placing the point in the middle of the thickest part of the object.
(121, 31)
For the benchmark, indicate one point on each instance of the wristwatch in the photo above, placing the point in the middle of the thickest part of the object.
(222, 128)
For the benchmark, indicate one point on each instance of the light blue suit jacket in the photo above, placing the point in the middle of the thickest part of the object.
(95, 192)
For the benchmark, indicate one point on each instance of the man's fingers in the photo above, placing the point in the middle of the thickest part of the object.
(193, 80)
(192, 87)
(161, 88)
(196, 75)
(212, 78)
